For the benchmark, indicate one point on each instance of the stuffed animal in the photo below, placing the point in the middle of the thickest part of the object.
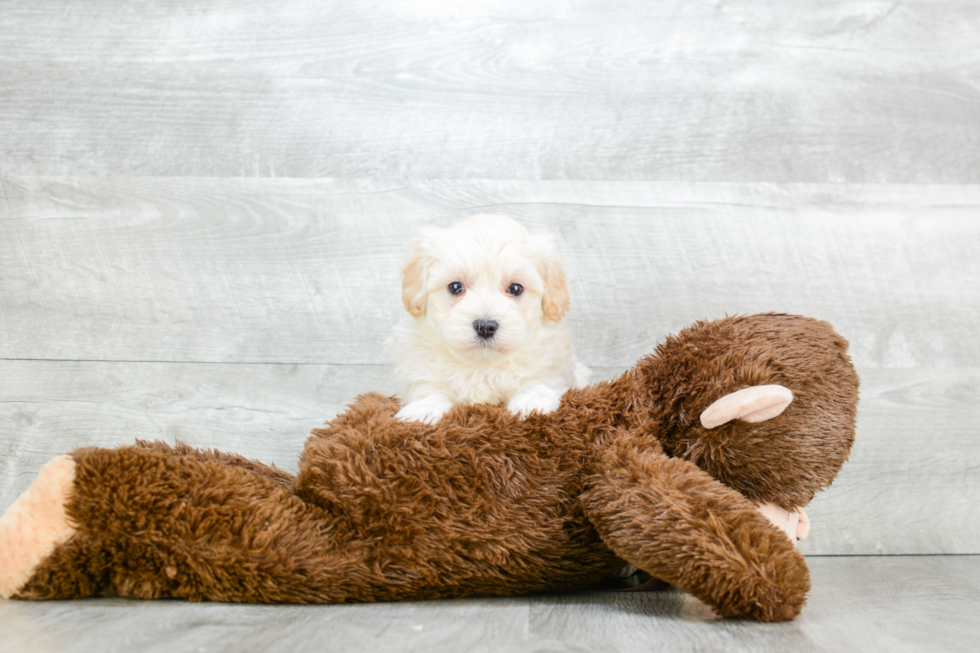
(662, 468)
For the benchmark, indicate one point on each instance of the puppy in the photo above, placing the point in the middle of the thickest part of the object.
(485, 300)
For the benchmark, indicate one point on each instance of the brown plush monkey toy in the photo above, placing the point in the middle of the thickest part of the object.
(662, 468)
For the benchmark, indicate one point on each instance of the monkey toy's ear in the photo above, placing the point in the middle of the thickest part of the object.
(754, 404)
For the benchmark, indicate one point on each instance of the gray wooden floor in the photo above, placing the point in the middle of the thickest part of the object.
(203, 207)
(884, 603)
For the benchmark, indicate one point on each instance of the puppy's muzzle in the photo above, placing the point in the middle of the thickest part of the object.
(485, 328)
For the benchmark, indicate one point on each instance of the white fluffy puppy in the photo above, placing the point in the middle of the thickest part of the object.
(485, 300)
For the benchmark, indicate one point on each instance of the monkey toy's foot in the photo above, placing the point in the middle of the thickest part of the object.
(35, 524)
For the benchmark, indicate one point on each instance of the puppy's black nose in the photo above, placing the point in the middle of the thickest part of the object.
(485, 328)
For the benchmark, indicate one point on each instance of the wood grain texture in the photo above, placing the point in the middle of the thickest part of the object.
(911, 484)
(899, 604)
(695, 90)
(264, 412)
(306, 271)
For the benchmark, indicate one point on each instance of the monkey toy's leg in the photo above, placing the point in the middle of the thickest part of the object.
(270, 472)
(144, 522)
(677, 523)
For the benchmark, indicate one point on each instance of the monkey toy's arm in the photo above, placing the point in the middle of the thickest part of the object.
(677, 523)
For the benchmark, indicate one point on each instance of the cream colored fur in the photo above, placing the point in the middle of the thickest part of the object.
(35, 524)
(439, 357)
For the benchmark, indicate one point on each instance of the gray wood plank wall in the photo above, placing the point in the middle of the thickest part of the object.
(743, 90)
(203, 207)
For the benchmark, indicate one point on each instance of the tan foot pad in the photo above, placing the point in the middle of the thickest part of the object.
(35, 524)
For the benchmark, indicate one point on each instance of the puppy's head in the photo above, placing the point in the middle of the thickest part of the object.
(485, 284)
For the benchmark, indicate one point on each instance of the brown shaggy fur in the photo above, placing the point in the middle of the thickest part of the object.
(485, 503)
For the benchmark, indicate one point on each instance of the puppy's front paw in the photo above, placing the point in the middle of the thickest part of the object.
(537, 398)
(427, 410)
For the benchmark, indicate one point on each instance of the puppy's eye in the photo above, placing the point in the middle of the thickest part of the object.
(515, 289)
(456, 288)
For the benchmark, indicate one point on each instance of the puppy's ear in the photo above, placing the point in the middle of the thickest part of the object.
(555, 300)
(414, 277)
